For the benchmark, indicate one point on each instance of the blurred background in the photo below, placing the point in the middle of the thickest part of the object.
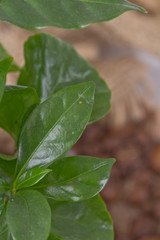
(126, 52)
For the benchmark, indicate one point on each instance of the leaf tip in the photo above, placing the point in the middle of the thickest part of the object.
(143, 10)
(136, 7)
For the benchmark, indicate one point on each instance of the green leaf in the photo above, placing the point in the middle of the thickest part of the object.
(8, 164)
(15, 103)
(6, 177)
(53, 237)
(4, 55)
(3, 224)
(52, 64)
(54, 126)
(2, 203)
(4, 67)
(76, 178)
(28, 216)
(3, 228)
(69, 14)
(86, 220)
(5, 235)
(4, 186)
(31, 177)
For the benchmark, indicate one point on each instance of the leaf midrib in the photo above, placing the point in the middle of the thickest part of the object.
(125, 4)
(105, 3)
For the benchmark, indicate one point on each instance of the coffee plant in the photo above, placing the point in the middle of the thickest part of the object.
(45, 194)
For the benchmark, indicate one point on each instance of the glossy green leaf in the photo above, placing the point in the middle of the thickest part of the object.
(54, 126)
(52, 64)
(62, 13)
(4, 55)
(86, 220)
(4, 67)
(28, 216)
(31, 177)
(8, 164)
(4, 186)
(76, 178)
(15, 103)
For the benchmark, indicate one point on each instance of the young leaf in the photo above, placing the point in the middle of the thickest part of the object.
(15, 103)
(86, 220)
(4, 67)
(54, 126)
(31, 177)
(28, 216)
(52, 64)
(65, 14)
(4, 186)
(8, 164)
(76, 178)
(4, 55)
